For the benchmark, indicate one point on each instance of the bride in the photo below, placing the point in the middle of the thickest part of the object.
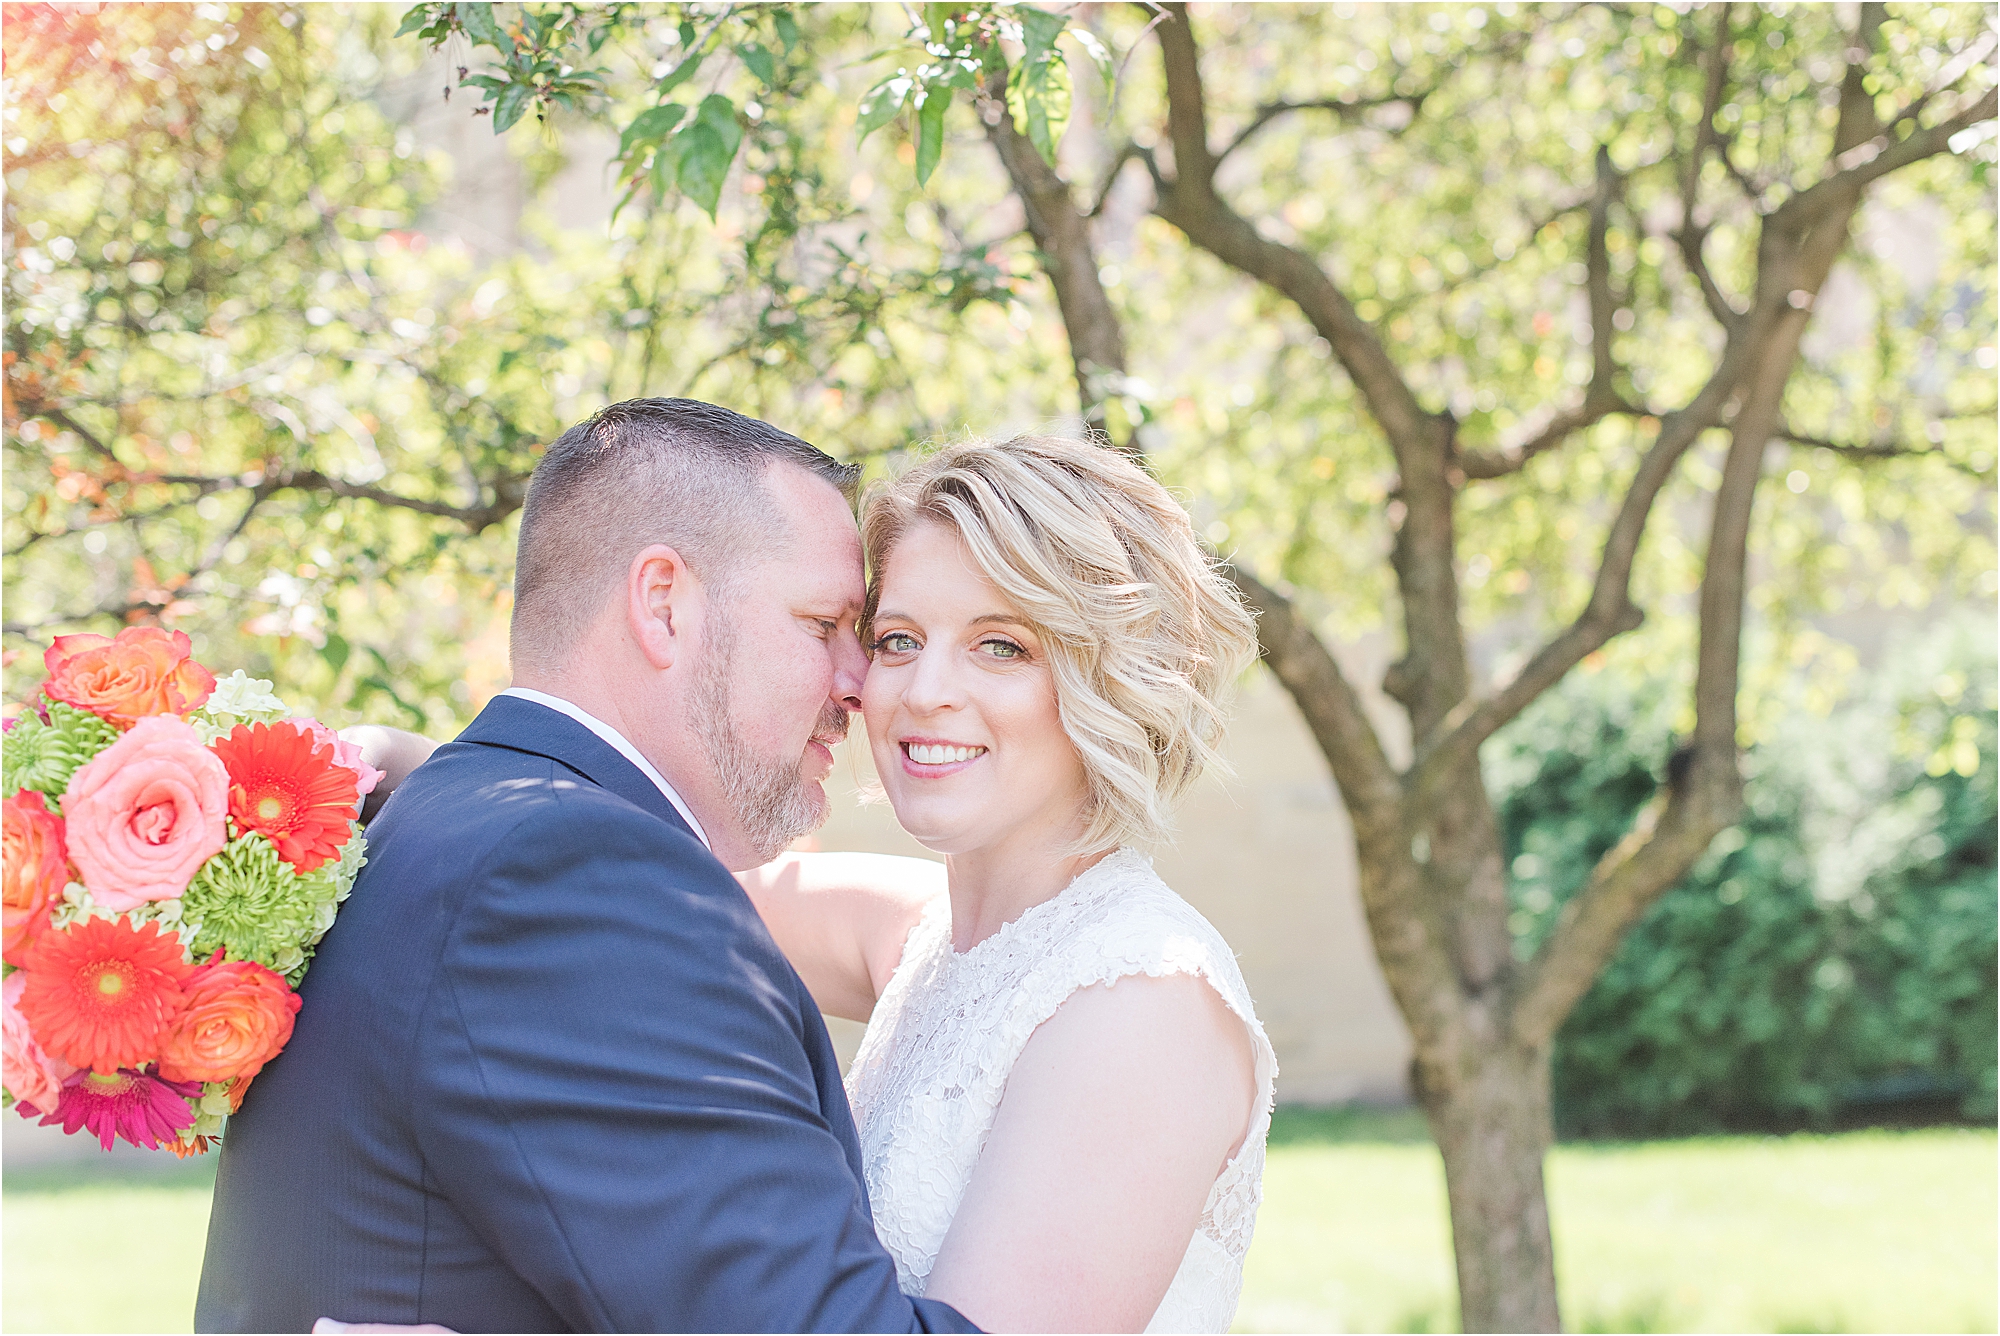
(1064, 1091)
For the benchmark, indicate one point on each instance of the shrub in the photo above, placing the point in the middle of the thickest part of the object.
(1831, 959)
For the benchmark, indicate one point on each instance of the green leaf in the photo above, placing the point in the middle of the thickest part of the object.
(335, 652)
(719, 114)
(1100, 55)
(707, 147)
(880, 104)
(1039, 30)
(680, 73)
(760, 63)
(650, 125)
(419, 16)
(930, 132)
(788, 29)
(482, 27)
(936, 17)
(507, 109)
(667, 165)
(1038, 94)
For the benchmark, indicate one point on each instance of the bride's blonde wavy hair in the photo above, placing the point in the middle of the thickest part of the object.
(1142, 633)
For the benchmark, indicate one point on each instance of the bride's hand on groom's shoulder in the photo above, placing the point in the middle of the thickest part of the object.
(393, 751)
(334, 1324)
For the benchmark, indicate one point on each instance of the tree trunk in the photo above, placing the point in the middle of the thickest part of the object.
(1490, 1119)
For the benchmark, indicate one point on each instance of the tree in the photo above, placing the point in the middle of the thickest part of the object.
(1530, 294)
(1712, 132)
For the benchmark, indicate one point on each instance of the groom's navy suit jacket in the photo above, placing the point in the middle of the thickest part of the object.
(551, 1074)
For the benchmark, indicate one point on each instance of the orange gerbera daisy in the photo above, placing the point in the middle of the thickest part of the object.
(102, 994)
(288, 788)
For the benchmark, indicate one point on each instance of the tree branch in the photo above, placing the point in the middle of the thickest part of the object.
(1955, 69)
(1610, 611)
(1692, 236)
(62, 419)
(1333, 711)
(1062, 234)
(1347, 109)
(510, 490)
(1407, 925)
(1103, 194)
(1421, 441)
(1877, 157)
(1704, 789)
(1601, 397)
(1891, 449)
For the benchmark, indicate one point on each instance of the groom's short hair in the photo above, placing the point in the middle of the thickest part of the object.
(673, 471)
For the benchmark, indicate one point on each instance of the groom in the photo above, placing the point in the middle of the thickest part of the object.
(551, 1073)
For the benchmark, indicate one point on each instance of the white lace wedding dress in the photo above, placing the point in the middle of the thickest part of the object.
(934, 1064)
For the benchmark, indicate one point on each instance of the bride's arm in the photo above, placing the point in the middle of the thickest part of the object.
(1118, 1115)
(842, 918)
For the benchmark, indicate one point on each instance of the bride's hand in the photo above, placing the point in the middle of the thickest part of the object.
(392, 751)
(334, 1324)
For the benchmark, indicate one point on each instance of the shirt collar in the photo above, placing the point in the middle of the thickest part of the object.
(617, 740)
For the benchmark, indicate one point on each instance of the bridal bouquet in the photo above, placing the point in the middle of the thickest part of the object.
(175, 848)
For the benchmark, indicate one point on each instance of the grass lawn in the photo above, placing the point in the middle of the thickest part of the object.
(1864, 1231)
(1867, 1231)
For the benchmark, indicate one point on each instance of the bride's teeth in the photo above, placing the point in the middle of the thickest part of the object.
(926, 753)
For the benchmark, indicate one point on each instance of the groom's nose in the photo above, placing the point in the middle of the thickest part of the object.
(850, 666)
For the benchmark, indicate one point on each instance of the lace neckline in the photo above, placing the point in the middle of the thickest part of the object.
(1013, 927)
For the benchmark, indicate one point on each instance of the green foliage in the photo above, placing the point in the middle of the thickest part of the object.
(256, 392)
(662, 147)
(1831, 958)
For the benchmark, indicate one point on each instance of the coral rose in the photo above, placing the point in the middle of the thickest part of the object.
(34, 870)
(238, 1017)
(30, 1074)
(145, 671)
(146, 813)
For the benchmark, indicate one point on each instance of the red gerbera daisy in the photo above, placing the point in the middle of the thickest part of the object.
(288, 789)
(102, 994)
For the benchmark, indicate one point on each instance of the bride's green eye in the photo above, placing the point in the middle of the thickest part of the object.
(896, 642)
(1003, 649)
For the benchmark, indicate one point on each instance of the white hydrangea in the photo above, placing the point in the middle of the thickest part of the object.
(238, 699)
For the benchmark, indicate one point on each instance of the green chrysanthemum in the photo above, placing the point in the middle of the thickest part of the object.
(40, 756)
(329, 883)
(249, 903)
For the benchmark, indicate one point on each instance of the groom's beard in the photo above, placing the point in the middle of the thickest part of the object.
(772, 803)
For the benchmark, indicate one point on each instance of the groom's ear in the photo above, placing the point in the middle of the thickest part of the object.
(660, 594)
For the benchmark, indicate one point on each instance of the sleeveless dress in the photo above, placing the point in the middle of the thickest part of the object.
(934, 1063)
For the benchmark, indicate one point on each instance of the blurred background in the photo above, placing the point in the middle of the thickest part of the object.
(288, 322)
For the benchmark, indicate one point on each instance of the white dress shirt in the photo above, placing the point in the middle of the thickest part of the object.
(618, 740)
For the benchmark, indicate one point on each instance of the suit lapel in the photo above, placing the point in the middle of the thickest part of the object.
(525, 726)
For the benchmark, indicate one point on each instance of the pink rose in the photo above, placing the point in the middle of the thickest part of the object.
(346, 755)
(30, 1075)
(145, 813)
